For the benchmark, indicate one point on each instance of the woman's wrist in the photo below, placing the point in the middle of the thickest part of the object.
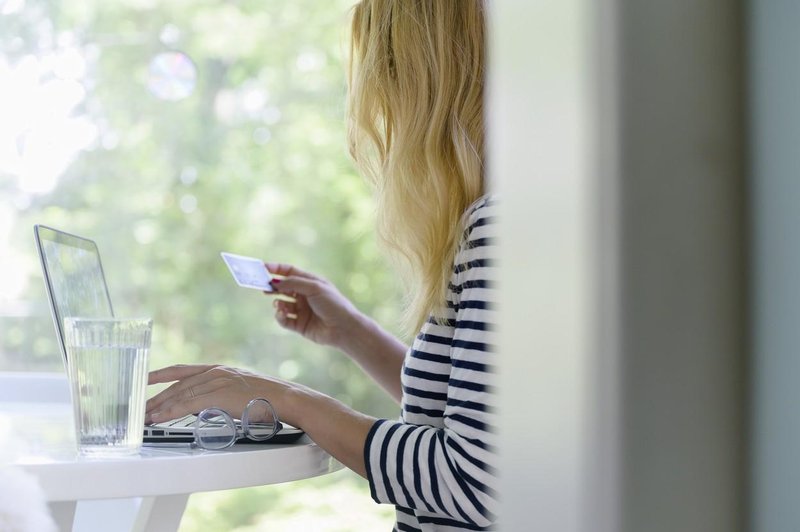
(297, 402)
(377, 352)
(354, 333)
(335, 427)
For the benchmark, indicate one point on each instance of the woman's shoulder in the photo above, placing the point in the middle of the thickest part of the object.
(483, 206)
(482, 212)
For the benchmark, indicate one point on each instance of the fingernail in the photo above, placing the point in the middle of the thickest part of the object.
(155, 416)
(275, 281)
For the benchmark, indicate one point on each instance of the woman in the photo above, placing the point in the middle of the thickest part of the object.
(416, 131)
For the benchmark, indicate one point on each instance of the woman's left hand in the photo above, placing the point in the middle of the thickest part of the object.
(197, 387)
(339, 430)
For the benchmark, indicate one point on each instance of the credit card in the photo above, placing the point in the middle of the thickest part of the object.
(249, 272)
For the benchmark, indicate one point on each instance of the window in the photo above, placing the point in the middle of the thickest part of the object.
(171, 131)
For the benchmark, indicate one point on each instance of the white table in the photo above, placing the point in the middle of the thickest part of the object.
(145, 492)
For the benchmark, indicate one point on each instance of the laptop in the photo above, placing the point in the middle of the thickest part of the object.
(76, 286)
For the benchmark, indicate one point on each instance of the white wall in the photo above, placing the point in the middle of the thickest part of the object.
(544, 132)
(617, 145)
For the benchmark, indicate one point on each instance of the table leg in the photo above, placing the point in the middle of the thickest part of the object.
(160, 514)
(106, 514)
(63, 513)
(138, 514)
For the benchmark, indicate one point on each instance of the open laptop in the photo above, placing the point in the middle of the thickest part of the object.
(76, 287)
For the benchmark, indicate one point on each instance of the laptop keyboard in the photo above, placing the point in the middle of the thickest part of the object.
(182, 422)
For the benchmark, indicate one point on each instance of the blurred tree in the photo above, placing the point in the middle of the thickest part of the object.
(253, 161)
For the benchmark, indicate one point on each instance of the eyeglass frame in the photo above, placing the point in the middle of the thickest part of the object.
(197, 443)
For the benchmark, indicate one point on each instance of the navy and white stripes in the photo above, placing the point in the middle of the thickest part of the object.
(437, 464)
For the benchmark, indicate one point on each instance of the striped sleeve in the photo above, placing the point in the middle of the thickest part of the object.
(438, 463)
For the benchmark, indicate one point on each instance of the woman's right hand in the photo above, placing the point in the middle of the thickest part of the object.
(318, 311)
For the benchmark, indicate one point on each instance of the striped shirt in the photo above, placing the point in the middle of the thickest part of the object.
(437, 463)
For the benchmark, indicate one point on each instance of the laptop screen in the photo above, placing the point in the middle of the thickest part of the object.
(74, 278)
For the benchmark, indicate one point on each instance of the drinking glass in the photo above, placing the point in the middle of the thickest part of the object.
(107, 366)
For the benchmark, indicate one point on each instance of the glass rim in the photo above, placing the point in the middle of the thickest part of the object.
(106, 320)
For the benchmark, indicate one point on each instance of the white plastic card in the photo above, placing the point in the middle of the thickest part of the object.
(249, 272)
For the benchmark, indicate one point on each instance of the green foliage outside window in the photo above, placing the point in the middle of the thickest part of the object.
(253, 161)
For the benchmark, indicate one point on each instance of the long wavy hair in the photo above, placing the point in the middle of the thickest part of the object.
(416, 131)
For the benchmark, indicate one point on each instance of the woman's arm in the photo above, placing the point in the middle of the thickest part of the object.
(338, 429)
(378, 353)
(335, 427)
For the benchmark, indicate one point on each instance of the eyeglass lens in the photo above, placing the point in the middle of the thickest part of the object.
(259, 420)
(215, 429)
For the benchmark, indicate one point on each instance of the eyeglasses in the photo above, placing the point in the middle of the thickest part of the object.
(215, 429)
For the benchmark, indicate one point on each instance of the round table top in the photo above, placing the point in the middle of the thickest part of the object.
(39, 438)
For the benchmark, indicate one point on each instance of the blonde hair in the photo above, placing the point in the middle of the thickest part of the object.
(416, 131)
